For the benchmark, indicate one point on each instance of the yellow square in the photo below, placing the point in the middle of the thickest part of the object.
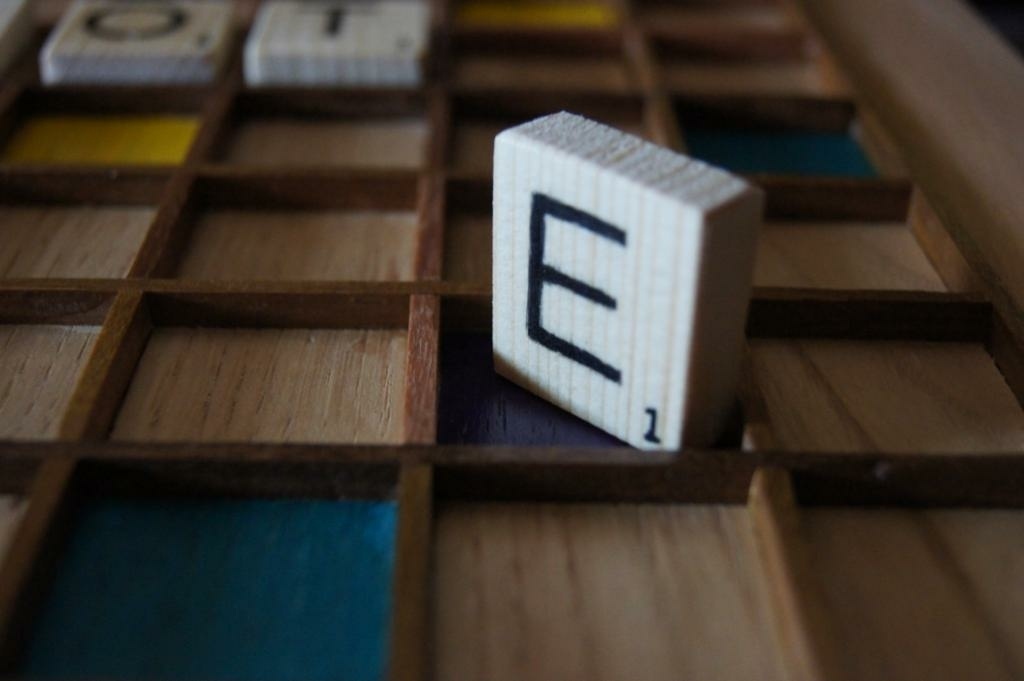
(483, 13)
(102, 140)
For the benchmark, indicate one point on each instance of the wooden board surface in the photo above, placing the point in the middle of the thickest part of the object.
(71, 242)
(915, 595)
(843, 255)
(39, 366)
(267, 385)
(886, 396)
(954, 102)
(302, 245)
(600, 592)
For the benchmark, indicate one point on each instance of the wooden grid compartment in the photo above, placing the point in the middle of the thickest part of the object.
(74, 225)
(542, 63)
(467, 238)
(866, 238)
(299, 228)
(753, 64)
(476, 119)
(887, 396)
(616, 591)
(318, 131)
(209, 373)
(40, 367)
(899, 582)
(45, 344)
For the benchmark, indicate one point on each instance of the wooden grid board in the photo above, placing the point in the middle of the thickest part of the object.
(299, 309)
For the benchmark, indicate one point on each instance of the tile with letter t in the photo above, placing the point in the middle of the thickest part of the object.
(338, 43)
(622, 276)
(15, 30)
(140, 43)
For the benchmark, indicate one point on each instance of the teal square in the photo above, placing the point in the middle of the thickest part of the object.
(780, 152)
(220, 590)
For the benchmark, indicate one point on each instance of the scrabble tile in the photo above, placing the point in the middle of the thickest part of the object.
(144, 42)
(15, 30)
(622, 275)
(338, 43)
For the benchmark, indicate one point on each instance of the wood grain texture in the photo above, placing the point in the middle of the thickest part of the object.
(70, 242)
(843, 255)
(369, 143)
(302, 245)
(422, 369)
(928, 93)
(917, 595)
(895, 397)
(39, 366)
(600, 592)
(292, 385)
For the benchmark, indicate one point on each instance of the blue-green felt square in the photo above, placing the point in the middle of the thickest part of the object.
(784, 152)
(220, 590)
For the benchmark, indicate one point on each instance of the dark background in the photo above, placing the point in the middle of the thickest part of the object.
(1007, 16)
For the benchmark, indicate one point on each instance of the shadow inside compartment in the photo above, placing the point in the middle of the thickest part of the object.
(477, 406)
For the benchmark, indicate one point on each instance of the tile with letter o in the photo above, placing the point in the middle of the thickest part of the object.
(138, 43)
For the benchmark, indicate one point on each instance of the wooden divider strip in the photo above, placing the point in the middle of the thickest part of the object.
(109, 369)
(31, 557)
(943, 253)
(421, 370)
(410, 624)
(801, 621)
